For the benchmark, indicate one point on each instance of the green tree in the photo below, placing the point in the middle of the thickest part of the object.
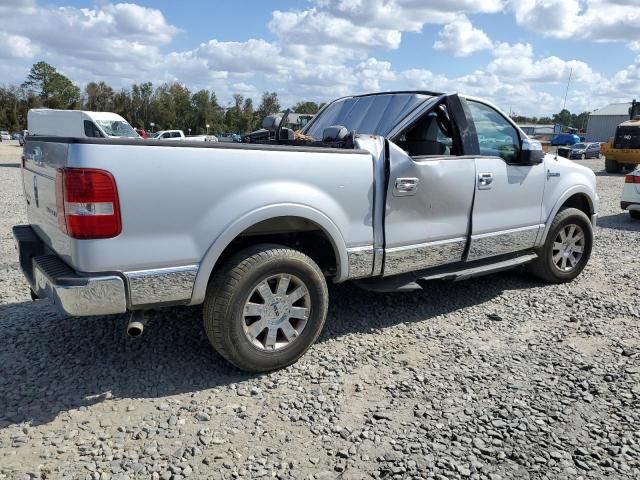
(268, 106)
(98, 97)
(248, 119)
(306, 107)
(54, 89)
(202, 112)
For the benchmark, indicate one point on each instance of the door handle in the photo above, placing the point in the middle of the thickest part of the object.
(405, 187)
(484, 181)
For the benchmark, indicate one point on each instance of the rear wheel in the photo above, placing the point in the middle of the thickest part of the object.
(635, 214)
(265, 307)
(567, 248)
(612, 166)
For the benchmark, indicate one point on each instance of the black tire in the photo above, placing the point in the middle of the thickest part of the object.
(544, 267)
(612, 166)
(231, 288)
(635, 214)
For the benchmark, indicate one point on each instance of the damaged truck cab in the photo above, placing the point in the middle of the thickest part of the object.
(388, 190)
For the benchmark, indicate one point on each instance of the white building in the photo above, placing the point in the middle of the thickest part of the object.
(603, 122)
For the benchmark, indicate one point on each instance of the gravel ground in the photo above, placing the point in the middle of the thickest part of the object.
(499, 377)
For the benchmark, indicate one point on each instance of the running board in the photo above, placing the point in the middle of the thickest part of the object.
(478, 271)
(410, 282)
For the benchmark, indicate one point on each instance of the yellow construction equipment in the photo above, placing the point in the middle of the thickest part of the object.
(624, 149)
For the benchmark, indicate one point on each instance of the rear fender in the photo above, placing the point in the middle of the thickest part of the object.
(266, 213)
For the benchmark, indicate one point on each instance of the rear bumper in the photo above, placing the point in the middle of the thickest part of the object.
(630, 205)
(74, 294)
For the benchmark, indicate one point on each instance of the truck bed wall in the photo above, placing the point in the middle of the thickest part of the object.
(176, 201)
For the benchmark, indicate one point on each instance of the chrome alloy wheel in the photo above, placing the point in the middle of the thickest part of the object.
(568, 247)
(276, 312)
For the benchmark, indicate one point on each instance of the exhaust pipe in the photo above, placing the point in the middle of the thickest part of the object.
(136, 324)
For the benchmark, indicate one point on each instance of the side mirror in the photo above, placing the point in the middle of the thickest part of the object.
(531, 152)
(335, 133)
(271, 122)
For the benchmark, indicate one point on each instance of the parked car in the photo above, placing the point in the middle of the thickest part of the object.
(169, 135)
(583, 151)
(386, 193)
(78, 123)
(4, 135)
(631, 194)
(15, 136)
(202, 138)
(229, 137)
(565, 139)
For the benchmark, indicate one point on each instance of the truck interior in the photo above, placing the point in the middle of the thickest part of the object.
(431, 135)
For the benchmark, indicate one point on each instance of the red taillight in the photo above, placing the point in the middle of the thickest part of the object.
(632, 178)
(87, 201)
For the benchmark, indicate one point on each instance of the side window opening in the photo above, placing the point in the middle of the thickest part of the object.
(496, 136)
(431, 135)
(90, 130)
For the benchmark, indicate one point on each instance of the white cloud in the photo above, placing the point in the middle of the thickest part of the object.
(110, 31)
(598, 20)
(461, 38)
(371, 72)
(516, 63)
(16, 46)
(314, 27)
(331, 48)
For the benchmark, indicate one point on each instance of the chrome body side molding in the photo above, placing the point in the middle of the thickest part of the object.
(162, 285)
(361, 261)
(506, 241)
(417, 257)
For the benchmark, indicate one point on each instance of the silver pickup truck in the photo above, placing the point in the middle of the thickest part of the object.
(389, 190)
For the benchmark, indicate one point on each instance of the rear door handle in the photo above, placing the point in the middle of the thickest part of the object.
(484, 181)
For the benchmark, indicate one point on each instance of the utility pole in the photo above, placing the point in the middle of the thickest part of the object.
(564, 105)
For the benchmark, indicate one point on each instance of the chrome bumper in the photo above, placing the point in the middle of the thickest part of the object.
(74, 294)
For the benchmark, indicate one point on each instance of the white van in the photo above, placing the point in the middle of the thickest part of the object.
(78, 123)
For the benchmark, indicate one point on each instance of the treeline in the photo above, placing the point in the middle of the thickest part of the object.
(564, 118)
(168, 106)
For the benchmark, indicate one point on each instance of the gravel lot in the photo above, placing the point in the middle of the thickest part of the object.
(499, 377)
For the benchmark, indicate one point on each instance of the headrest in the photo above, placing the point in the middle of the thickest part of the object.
(271, 122)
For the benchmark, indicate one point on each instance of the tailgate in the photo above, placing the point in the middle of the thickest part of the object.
(41, 162)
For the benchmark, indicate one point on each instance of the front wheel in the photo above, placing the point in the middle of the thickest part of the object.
(567, 248)
(265, 307)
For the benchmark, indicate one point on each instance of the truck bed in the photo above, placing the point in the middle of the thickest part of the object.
(178, 198)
